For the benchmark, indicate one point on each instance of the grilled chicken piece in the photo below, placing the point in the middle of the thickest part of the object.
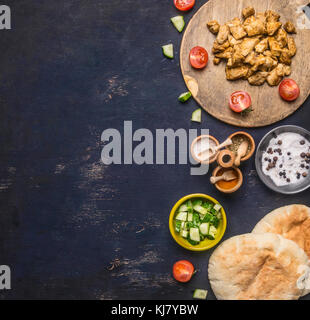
(236, 73)
(272, 16)
(281, 37)
(247, 45)
(222, 34)
(287, 70)
(269, 64)
(246, 12)
(250, 59)
(236, 59)
(289, 27)
(213, 26)
(216, 61)
(233, 41)
(285, 57)
(274, 47)
(272, 27)
(254, 27)
(225, 54)
(258, 78)
(258, 61)
(262, 46)
(275, 76)
(291, 46)
(220, 47)
(236, 29)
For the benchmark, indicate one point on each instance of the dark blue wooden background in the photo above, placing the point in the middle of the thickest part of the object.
(69, 70)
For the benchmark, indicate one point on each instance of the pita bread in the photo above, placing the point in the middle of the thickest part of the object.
(258, 267)
(292, 222)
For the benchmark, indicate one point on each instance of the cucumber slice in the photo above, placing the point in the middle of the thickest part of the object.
(168, 50)
(181, 216)
(184, 233)
(183, 207)
(178, 22)
(194, 234)
(182, 224)
(190, 217)
(200, 209)
(217, 207)
(196, 115)
(204, 228)
(200, 294)
(184, 96)
(177, 226)
(212, 231)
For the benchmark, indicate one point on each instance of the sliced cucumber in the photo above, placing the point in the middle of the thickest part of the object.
(200, 209)
(200, 294)
(190, 217)
(194, 234)
(212, 231)
(217, 207)
(177, 226)
(183, 224)
(184, 96)
(196, 115)
(181, 216)
(184, 233)
(178, 22)
(204, 228)
(168, 50)
(183, 207)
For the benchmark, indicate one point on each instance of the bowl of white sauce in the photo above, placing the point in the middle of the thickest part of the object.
(283, 159)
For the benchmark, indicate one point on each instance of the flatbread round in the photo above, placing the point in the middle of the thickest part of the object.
(292, 222)
(258, 267)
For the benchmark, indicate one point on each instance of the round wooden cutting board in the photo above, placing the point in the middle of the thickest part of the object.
(209, 86)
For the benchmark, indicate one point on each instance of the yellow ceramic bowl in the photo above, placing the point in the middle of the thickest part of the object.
(205, 244)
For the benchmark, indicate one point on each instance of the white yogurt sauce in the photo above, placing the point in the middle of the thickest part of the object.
(287, 158)
(201, 148)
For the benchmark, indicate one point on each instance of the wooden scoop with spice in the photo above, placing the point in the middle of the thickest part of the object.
(227, 176)
(212, 150)
(241, 152)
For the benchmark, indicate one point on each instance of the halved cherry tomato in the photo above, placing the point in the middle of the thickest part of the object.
(198, 57)
(183, 270)
(239, 101)
(184, 5)
(289, 90)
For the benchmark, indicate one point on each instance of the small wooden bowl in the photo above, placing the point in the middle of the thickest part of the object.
(212, 159)
(236, 187)
(251, 140)
(226, 158)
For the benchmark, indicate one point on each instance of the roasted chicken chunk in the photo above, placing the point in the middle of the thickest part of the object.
(289, 27)
(291, 46)
(223, 33)
(281, 37)
(254, 27)
(213, 26)
(236, 29)
(258, 78)
(262, 46)
(274, 46)
(247, 45)
(220, 47)
(272, 16)
(246, 12)
(236, 73)
(272, 27)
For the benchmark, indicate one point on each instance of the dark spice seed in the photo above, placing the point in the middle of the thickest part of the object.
(279, 142)
(302, 142)
(302, 154)
(304, 174)
(288, 180)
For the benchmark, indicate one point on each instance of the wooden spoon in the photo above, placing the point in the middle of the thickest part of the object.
(227, 176)
(213, 150)
(241, 152)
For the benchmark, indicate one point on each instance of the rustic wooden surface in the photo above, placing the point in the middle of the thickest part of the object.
(69, 70)
(210, 87)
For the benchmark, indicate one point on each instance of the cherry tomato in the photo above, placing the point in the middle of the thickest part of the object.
(239, 101)
(289, 90)
(183, 271)
(184, 5)
(198, 57)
